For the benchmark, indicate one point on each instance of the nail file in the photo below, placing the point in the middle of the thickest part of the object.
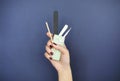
(55, 22)
(56, 38)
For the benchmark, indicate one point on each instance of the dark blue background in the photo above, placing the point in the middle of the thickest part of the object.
(94, 42)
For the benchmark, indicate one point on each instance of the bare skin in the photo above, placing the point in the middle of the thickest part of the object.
(63, 66)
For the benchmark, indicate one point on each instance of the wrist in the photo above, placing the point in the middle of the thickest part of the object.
(65, 74)
(64, 69)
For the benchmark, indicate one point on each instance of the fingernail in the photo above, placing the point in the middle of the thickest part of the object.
(50, 58)
(54, 43)
(51, 46)
(53, 35)
(51, 53)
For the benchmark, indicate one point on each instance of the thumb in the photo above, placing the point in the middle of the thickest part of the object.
(60, 48)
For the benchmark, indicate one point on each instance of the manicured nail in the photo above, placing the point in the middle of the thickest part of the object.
(50, 58)
(54, 43)
(51, 53)
(51, 46)
(53, 35)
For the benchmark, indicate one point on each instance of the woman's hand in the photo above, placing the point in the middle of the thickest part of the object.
(64, 62)
(62, 66)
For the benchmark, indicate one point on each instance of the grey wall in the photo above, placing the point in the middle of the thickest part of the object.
(94, 41)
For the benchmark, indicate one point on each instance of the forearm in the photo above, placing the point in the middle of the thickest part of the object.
(65, 74)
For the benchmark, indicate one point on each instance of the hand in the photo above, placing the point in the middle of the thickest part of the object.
(64, 62)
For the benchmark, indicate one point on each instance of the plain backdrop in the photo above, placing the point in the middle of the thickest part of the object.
(94, 41)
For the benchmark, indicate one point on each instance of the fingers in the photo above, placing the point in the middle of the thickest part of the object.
(49, 34)
(48, 56)
(49, 43)
(49, 50)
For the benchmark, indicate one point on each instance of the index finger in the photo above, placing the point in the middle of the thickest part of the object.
(49, 34)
